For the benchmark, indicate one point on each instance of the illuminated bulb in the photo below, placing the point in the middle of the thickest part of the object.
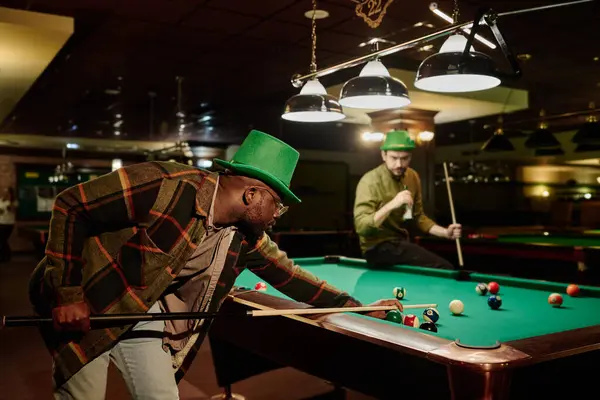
(426, 136)
(373, 136)
(204, 163)
(116, 164)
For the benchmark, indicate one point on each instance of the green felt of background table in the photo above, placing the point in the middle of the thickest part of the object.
(525, 311)
(550, 239)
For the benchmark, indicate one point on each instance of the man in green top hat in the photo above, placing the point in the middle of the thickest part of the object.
(162, 237)
(388, 199)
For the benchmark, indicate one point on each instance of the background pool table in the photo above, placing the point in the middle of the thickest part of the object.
(540, 346)
(592, 232)
(559, 256)
(567, 239)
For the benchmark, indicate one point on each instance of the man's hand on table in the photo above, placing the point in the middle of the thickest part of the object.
(386, 302)
(374, 314)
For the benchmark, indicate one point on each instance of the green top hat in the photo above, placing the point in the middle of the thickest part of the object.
(268, 159)
(398, 141)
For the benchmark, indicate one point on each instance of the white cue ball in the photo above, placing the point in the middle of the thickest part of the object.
(456, 307)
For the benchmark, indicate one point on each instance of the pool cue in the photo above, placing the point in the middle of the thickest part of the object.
(458, 249)
(268, 313)
(126, 319)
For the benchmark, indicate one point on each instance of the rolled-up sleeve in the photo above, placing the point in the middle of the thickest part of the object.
(365, 207)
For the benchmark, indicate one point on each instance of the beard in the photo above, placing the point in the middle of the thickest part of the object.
(253, 222)
(398, 171)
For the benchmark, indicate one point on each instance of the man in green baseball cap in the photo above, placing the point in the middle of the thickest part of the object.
(163, 237)
(388, 198)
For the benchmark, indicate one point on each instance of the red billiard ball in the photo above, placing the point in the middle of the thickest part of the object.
(493, 287)
(261, 286)
(411, 320)
(573, 290)
(555, 300)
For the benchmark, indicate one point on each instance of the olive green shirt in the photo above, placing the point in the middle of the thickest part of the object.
(375, 189)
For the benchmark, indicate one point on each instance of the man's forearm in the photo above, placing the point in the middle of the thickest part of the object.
(438, 231)
(382, 214)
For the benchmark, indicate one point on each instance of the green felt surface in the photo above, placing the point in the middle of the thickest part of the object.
(525, 311)
(551, 239)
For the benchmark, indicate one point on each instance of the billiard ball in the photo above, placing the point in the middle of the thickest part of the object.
(573, 290)
(260, 286)
(495, 302)
(493, 287)
(411, 320)
(481, 288)
(456, 307)
(428, 326)
(431, 315)
(394, 316)
(399, 293)
(555, 300)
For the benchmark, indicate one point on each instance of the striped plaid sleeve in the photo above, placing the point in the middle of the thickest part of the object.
(272, 265)
(110, 202)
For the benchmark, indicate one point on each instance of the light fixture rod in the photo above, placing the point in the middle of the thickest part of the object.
(298, 80)
(542, 8)
(489, 17)
(434, 9)
(556, 116)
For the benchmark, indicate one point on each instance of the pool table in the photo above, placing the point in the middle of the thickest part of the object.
(592, 232)
(562, 256)
(526, 346)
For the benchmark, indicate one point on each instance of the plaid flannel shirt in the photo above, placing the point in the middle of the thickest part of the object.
(118, 241)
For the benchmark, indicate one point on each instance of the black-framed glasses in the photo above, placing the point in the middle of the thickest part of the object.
(281, 209)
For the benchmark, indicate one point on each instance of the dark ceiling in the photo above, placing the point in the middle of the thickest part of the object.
(236, 57)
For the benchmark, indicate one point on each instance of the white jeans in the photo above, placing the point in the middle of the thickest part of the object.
(146, 368)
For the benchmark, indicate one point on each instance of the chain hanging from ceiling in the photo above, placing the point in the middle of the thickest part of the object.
(372, 11)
